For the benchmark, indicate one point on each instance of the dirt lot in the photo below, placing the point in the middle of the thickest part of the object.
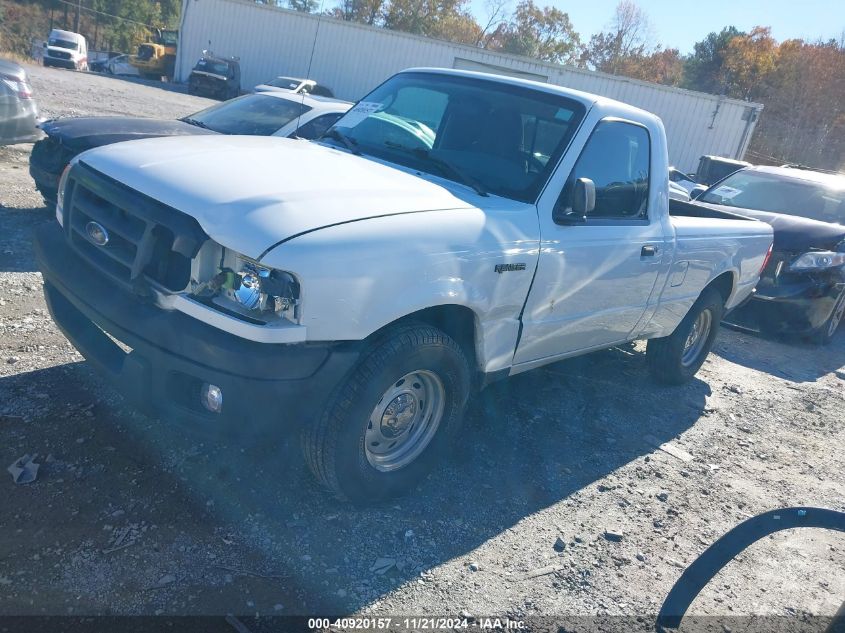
(130, 515)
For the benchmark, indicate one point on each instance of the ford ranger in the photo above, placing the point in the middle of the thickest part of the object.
(452, 229)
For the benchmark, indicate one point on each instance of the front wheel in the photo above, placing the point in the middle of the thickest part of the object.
(396, 414)
(675, 359)
(823, 335)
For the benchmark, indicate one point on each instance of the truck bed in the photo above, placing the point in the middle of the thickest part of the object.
(679, 208)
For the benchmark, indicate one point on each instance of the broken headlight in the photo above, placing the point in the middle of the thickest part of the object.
(253, 291)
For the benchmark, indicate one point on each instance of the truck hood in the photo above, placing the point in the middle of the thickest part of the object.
(81, 133)
(249, 193)
(792, 232)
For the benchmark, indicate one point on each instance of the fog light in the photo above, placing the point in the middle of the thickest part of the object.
(211, 397)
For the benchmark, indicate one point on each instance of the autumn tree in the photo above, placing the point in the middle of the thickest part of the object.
(541, 33)
(628, 36)
(362, 11)
(747, 61)
(703, 69)
(423, 17)
(663, 66)
(304, 6)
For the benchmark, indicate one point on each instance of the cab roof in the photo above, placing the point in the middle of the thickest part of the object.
(586, 98)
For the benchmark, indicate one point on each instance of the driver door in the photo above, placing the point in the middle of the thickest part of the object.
(596, 273)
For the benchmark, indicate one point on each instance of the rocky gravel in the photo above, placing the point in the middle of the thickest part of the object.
(581, 489)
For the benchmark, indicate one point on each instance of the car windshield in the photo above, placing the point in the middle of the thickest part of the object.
(255, 114)
(54, 41)
(776, 193)
(209, 66)
(505, 139)
(284, 82)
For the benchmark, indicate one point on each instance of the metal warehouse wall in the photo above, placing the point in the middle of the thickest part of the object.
(352, 59)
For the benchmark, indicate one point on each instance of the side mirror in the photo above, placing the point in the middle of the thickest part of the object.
(582, 201)
(584, 197)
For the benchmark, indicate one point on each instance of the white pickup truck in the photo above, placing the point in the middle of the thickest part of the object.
(452, 229)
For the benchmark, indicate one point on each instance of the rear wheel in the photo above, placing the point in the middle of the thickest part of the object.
(824, 334)
(675, 359)
(398, 412)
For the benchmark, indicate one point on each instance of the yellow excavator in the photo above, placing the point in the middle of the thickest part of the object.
(157, 57)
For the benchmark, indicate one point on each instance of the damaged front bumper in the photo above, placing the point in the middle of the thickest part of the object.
(172, 355)
(800, 306)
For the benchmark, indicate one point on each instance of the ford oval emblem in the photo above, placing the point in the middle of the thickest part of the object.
(97, 233)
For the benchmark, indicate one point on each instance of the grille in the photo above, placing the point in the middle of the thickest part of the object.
(59, 55)
(147, 240)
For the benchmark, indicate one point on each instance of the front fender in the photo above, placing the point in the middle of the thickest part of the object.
(358, 277)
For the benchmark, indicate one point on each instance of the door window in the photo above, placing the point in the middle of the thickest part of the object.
(616, 158)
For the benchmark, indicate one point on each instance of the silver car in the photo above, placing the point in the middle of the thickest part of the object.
(18, 112)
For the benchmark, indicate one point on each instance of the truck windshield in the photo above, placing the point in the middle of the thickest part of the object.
(209, 66)
(776, 193)
(255, 115)
(506, 139)
(71, 46)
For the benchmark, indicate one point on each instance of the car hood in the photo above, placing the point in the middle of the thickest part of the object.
(84, 133)
(791, 232)
(249, 193)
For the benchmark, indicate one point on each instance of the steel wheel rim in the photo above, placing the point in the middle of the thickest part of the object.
(838, 311)
(404, 420)
(697, 338)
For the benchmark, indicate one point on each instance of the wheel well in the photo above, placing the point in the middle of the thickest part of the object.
(455, 320)
(724, 284)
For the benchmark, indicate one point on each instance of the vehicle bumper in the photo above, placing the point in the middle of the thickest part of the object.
(21, 125)
(171, 354)
(60, 63)
(797, 308)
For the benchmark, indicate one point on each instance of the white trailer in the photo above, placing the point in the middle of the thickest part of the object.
(353, 59)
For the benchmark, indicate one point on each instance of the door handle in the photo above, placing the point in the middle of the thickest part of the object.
(648, 251)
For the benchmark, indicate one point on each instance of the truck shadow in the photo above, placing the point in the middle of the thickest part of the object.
(530, 442)
(16, 254)
(788, 357)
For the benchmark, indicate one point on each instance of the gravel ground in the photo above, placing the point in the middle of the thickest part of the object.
(131, 515)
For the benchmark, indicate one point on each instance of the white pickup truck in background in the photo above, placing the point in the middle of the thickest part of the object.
(452, 229)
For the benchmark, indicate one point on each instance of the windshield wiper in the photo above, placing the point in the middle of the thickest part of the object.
(196, 122)
(349, 143)
(447, 168)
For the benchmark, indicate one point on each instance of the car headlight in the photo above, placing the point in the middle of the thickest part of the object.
(60, 197)
(252, 290)
(818, 260)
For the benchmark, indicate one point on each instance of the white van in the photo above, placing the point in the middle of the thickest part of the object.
(66, 49)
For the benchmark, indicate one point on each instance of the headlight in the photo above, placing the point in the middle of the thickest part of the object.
(252, 290)
(817, 260)
(60, 197)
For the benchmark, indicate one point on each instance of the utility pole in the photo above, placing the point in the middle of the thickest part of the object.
(78, 8)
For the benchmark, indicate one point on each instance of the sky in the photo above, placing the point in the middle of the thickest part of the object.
(681, 23)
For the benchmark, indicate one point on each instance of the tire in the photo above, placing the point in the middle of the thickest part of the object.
(824, 334)
(675, 359)
(357, 460)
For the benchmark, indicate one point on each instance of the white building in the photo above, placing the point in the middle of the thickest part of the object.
(352, 59)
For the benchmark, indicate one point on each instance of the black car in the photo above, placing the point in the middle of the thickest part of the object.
(215, 77)
(802, 288)
(265, 114)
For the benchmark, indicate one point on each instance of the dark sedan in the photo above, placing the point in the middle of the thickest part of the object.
(802, 288)
(267, 114)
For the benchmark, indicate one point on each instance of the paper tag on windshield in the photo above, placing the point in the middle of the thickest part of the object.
(360, 112)
(727, 192)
